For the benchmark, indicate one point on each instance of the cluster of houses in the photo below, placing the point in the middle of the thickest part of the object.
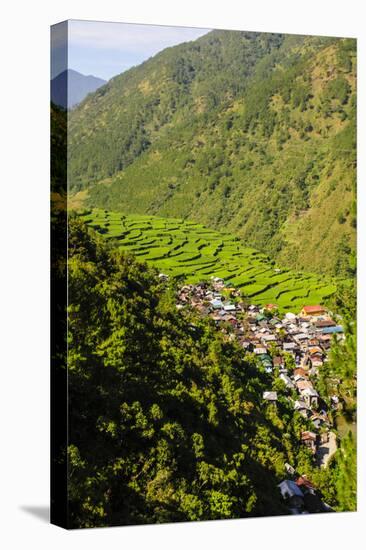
(291, 347)
(300, 495)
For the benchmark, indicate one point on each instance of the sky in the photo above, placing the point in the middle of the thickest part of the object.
(107, 49)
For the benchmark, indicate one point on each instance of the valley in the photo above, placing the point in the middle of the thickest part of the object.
(187, 250)
(211, 201)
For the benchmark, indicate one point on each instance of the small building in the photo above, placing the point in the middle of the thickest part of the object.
(271, 307)
(300, 372)
(311, 397)
(291, 493)
(301, 336)
(269, 338)
(290, 316)
(319, 420)
(289, 469)
(260, 317)
(315, 349)
(289, 346)
(324, 323)
(246, 344)
(265, 357)
(230, 307)
(287, 380)
(309, 439)
(334, 400)
(305, 483)
(303, 384)
(274, 321)
(312, 311)
(316, 361)
(270, 396)
(333, 330)
(266, 361)
(260, 351)
(313, 342)
(302, 408)
(326, 341)
(278, 361)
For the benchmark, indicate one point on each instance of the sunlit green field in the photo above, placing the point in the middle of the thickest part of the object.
(183, 248)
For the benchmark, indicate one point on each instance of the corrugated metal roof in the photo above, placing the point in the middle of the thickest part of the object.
(332, 330)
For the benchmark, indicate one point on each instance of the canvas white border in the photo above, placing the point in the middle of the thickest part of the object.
(24, 272)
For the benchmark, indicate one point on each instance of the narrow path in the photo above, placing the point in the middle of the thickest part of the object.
(327, 450)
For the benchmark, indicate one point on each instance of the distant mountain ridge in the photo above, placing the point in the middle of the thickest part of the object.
(78, 86)
(251, 132)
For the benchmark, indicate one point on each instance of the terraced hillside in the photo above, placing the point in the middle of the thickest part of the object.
(251, 133)
(184, 248)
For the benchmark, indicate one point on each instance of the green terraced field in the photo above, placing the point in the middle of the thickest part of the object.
(178, 247)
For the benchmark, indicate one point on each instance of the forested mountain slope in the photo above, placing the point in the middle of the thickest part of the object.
(251, 132)
(167, 421)
(58, 126)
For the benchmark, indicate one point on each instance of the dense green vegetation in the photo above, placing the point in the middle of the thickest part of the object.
(338, 377)
(217, 149)
(188, 250)
(58, 119)
(250, 132)
(338, 482)
(166, 417)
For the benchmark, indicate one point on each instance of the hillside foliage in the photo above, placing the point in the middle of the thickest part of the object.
(250, 132)
(166, 418)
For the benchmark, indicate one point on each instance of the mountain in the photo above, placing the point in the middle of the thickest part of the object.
(78, 86)
(166, 420)
(251, 132)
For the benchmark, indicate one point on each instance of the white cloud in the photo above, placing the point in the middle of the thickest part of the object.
(128, 37)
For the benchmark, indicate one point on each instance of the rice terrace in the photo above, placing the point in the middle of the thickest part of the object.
(181, 248)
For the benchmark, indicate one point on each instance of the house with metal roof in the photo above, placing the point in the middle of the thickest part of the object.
(270, 396)
(309, 439)
(312, 311)
(289, 346)
(311, 397)
(287, 380)
(338, 329)
(302, 408)
(229, 307)
(291, 493)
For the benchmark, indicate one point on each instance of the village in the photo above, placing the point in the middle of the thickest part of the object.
(291, 348)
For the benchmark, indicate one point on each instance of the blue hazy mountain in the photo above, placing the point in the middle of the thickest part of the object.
(78, 86)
